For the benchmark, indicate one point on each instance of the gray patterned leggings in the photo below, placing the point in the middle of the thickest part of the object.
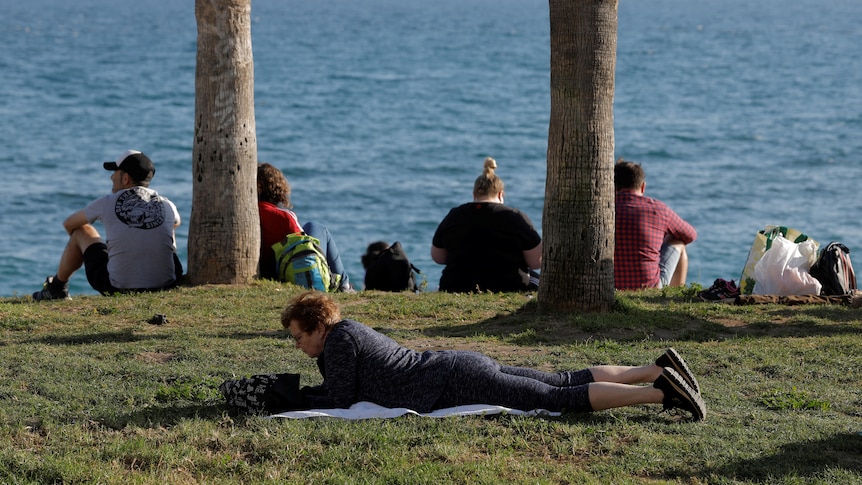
(479, 379)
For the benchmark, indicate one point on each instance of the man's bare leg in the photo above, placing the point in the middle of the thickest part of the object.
(681, 272)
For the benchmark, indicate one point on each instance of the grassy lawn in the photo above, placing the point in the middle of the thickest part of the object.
(92, 393)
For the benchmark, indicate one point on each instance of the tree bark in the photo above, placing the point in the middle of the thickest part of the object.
(578, 218)
(224, 230)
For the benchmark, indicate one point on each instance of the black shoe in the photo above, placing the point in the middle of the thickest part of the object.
(678, 394)
(721, 291)
(672, 359)
(52, 291)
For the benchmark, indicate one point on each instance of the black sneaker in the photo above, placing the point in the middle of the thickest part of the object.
(52, 291)
(721, 290)
(672, 359)
(678, 394)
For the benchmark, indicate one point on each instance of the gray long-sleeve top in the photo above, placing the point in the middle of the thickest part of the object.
(360, 364)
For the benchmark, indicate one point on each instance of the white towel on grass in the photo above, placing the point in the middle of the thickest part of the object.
(369, 410)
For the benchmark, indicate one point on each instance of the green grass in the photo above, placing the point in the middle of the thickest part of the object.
(92, 393)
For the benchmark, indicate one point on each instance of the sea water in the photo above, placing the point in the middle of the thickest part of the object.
(380, 113)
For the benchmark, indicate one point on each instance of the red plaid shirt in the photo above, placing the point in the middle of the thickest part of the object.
(642, 224)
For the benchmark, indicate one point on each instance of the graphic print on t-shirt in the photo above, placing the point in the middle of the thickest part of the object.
(140, 209)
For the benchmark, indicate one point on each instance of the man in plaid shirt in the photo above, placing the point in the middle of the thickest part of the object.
(650, 237)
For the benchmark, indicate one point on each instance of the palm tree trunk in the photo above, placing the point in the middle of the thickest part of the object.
(578, 217)
(224, 230)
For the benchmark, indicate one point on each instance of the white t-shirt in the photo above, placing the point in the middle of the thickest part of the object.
(139, 232)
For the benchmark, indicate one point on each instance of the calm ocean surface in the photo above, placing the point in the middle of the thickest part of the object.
(380, 112)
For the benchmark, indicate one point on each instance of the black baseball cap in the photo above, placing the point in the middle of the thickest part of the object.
(134, 163)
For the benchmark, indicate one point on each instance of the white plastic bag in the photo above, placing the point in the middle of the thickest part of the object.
(783, 269)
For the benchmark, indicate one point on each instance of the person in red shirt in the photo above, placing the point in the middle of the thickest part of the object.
(276, 218)
(650, 237)
(277, 221)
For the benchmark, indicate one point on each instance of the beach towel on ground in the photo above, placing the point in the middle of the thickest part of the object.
(369, 410)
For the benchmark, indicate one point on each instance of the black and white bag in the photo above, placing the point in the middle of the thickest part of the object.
(834, 270)
(268, 393)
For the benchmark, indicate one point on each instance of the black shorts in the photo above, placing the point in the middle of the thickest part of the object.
(96, 267)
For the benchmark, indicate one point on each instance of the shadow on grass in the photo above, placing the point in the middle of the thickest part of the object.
(680, 321)
(167, 415)
(806, 460)
(121, 336)
(276, 334)
(641, 415)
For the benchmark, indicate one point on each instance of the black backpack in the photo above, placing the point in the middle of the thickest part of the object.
(389, 269)
(834, 271)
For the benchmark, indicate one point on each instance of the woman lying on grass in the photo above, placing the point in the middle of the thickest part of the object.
(360, 364)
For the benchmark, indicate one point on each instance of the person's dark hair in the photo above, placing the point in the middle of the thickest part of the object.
(272, 186)
(374, 250)
(488, 183)
(628, 175)
(311, 309)
(141, 183)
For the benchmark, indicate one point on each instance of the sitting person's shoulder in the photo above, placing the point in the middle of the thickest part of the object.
(643, 201)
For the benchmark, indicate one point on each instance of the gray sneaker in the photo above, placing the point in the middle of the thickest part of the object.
(52, 291)
(678, 394)
(672, 359)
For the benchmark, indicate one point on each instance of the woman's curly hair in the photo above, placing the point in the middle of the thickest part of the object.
(272, 186)
(311, 309)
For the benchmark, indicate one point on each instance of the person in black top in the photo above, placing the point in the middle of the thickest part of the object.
(486, 245)
(360, 364)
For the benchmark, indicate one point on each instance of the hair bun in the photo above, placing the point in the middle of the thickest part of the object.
(490, 165)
